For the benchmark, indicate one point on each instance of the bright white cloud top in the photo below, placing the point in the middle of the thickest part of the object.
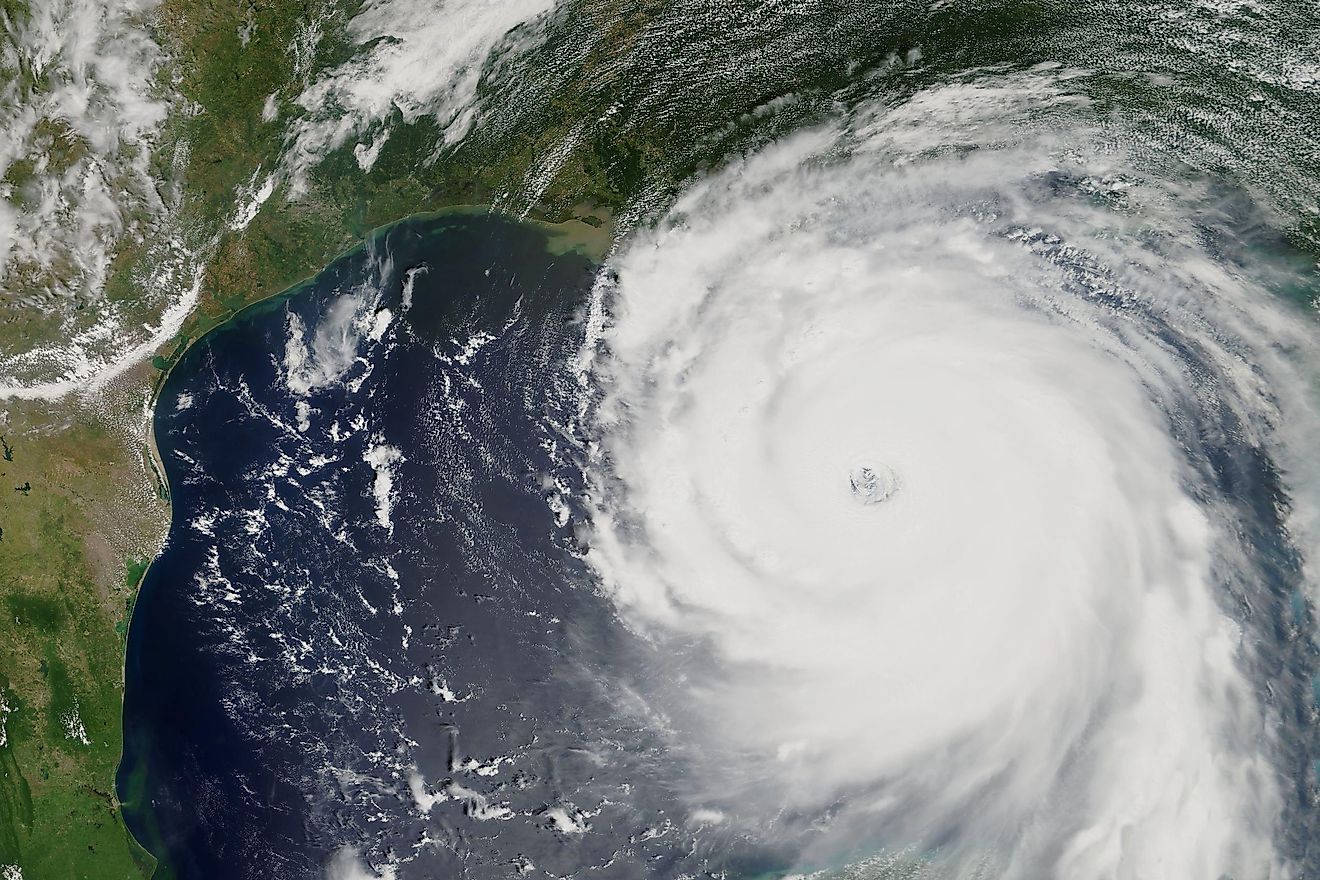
(1024, 662)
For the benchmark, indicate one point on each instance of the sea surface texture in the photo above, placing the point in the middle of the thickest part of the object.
(924, 485)
(370, 613)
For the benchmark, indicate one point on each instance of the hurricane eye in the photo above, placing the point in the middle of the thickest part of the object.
(872, 483)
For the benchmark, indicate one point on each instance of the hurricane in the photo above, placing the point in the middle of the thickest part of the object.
(952, 457)
(848, 444)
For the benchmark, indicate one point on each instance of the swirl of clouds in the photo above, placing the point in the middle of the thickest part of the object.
(1017, 345)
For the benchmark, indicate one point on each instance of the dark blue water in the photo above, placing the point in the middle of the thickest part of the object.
(428, 683)
(370, 647)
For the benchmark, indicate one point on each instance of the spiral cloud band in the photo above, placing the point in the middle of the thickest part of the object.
(925, 454)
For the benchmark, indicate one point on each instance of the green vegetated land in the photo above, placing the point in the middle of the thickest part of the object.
(64, 619)
(81, 507)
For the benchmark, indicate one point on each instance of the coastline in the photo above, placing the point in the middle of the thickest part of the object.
(573, 235)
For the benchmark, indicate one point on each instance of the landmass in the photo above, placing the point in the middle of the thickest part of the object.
(592, 132)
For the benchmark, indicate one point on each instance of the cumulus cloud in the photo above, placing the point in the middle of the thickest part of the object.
(82, 105)
(347, 864)
(83, 80)
(353, 321)
(417, 59)
(79, 74)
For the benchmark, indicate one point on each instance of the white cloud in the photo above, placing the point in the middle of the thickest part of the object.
(382, 457)
(79, 115)
(347, 864)
(418, 58)
(1020, 655)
